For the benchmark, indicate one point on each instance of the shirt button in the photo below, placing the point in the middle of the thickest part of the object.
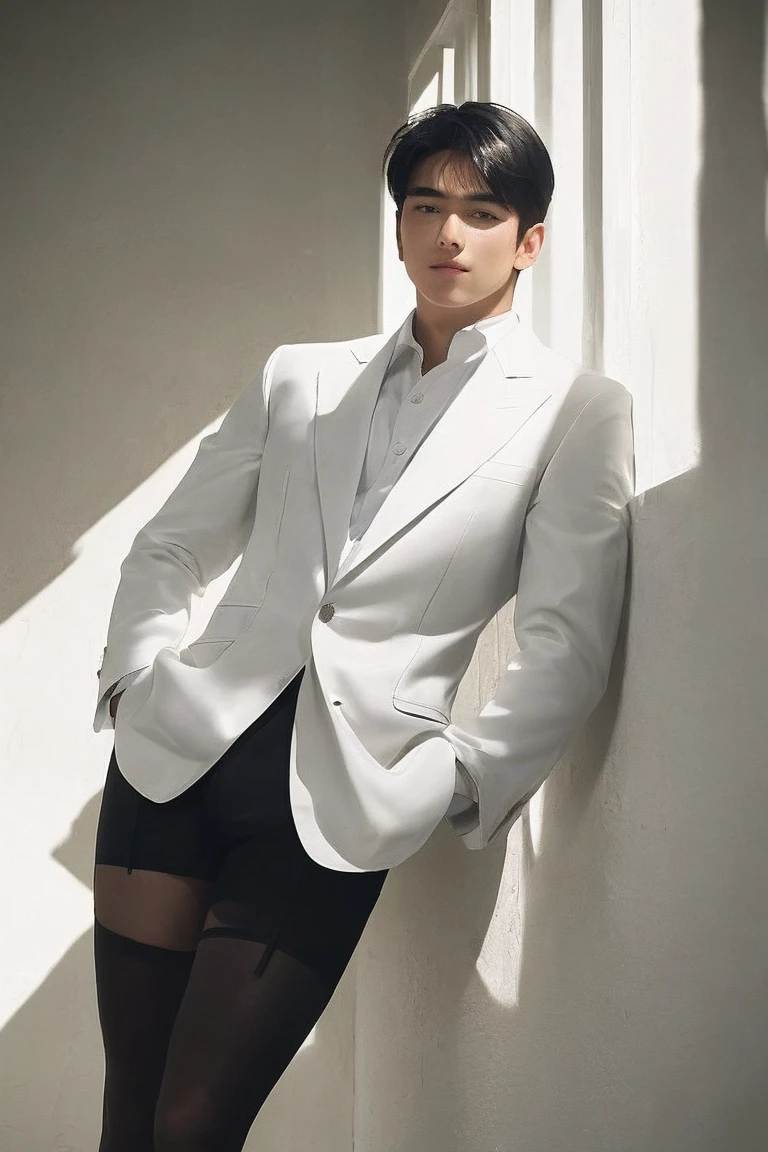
(418, 398)
(399, 449)
(326, 612)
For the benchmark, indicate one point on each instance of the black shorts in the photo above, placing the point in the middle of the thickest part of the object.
(234, 828)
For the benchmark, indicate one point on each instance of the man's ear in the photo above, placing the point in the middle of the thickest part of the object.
(397, 234)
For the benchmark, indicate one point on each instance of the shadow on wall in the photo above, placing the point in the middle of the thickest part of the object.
(180, 178)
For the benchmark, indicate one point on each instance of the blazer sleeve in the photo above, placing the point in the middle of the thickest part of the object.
(566, 618)
(203, 526)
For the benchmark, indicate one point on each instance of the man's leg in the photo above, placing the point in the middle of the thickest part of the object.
(148, 917)
(145, 933)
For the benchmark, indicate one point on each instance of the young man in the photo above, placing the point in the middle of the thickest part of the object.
(433, 475)
(388, 495)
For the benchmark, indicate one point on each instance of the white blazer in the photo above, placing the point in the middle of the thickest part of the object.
(522, 487)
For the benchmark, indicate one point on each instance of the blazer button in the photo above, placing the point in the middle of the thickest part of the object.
(326, 613)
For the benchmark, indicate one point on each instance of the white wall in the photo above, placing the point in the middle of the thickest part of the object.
(597, 982)
(186, 186)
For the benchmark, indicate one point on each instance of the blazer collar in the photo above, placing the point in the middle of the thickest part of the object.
(502, 394)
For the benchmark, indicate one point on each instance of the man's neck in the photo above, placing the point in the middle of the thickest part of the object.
(434, 328)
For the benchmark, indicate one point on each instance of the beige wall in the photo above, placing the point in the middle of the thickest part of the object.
(187, 186)
(421, 18)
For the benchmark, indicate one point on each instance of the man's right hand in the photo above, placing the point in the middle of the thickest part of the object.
(113, 704)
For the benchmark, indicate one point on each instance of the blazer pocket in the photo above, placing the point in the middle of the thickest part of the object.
(415, 707)
(509, 473)
(423, 711)
(228, 622)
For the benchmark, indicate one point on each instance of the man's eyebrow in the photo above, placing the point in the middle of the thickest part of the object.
(473, 197)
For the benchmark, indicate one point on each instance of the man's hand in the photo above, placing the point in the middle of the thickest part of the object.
(113, 704)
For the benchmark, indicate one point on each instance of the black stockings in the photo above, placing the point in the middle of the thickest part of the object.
(194, 1040)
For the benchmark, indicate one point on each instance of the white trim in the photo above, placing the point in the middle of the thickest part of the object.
(456, 30)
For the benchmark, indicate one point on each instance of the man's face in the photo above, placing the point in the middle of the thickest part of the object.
(450, 215)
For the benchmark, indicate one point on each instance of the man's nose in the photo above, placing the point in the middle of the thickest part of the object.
(451, 232)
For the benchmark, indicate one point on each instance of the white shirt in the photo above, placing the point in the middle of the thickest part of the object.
(409, 405)
(407, 408)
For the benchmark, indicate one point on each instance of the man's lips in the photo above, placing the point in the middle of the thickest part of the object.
(454, 269)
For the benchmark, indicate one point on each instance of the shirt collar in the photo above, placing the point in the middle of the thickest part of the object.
(467, 342)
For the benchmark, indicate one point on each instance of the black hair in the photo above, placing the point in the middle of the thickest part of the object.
(499, 145)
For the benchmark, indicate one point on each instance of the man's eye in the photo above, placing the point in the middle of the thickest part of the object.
(425, 208)
(486, 215)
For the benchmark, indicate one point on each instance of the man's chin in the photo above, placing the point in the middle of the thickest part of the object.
(450, 296)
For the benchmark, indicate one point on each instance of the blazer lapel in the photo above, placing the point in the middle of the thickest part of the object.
(488, 411)
(346, 397)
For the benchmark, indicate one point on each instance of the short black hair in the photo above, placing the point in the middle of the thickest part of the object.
(503, 148)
